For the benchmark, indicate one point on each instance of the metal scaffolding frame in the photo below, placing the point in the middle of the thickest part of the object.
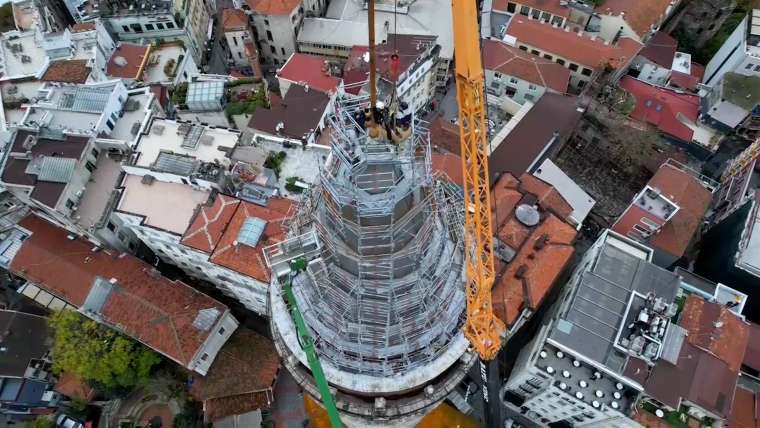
(383, 291)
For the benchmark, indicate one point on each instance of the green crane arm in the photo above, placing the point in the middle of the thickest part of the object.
(307, 343)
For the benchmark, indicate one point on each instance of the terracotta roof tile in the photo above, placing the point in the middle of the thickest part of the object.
(684, 81)
(552, 6)
(73, 386)
(641, 15)
(209, 223)
(500, 57)
(409, 48)
(234, 19)
(83, 26)
(245, 368)
(716, 329)
(579, 49)
(444, 134)
(541, 251)
(144, 304)
(743, 410)
(128, 61)
(310, 70)
(273, 7)
(663, 107)
(548, 197)
(250, 260)
(752, 355)
(67, 71)
(448, 164)
(660, 49)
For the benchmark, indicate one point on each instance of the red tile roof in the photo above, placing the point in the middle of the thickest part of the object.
(128, 61)
(444, 134)
(714, 328)
(500, 57)
(663, 107)
(541, 251)
(241, 378)
(744, 409)
(67, 71)
(569, 45)
(689, 194)
(660, 49)
(144, 304)
(448, 164)
(408, 47)
(73, 386)
(310, 70)
(684, 81)
(250, 260)
(641, 15)
(273, 7)
(234, 19)
(552, 6)
(82, 27)
(752, 355)
(209, 223)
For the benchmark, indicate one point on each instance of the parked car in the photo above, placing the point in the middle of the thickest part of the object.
(65, 421)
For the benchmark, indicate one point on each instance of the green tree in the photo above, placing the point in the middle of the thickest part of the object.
(97, 353)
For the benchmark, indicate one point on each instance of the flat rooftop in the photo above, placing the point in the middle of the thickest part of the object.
(592, 322)
(157, 62)
(20, 55)
(97, 192)
(200, 142)
(15, 93)
(167, 206)
(133, 116)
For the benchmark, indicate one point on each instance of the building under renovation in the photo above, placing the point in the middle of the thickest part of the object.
(383, 293)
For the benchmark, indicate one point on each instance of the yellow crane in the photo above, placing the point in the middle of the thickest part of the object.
(482, 328)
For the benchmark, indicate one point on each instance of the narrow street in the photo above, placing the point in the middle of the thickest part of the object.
(217, 62)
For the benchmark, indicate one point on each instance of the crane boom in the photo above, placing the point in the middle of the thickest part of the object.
(483, 329)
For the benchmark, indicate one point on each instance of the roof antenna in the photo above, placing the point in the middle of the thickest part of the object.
(372, 65)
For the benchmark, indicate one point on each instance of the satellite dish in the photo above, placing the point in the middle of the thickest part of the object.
(528, 215)
(659, 413)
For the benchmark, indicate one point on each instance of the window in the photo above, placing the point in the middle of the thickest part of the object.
(234, 40)
(269, 36)
(525, 10)
(529, 97)
(137, 28)
(222, 330)
(160, 26)
(149, 27)
(523, 48)
(122, 237)
(95, 153)
(497, 75)
(204, 357)
(110, 226)
(511, 91)
(560, 61)
(586, 72)
(125, 28)
(274, 51)
(757, 68)
(69, 204)
(535, 14)
(293, 19)
(512, 80)
(266, 22)
(511, 7)
(169, 25)
(748, 66)
(546, 17)
(532, 87)
(240, 55)
(549, 57)
(283, 51)
(535, 52)
(90, 166)
(711, 27)
(573, 67)
(581, 84)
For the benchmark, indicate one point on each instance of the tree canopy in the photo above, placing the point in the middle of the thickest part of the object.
(97, 353)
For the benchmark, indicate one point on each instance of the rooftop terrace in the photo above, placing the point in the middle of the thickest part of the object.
(167, 206)
(203, 143)
(156, 67)
(20, 55)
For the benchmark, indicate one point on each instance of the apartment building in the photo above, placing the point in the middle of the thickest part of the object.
(740, 53)
(236, 32)
(587, 365)
(515, 75)
(121, 292)
(276, 25)
(585, 57)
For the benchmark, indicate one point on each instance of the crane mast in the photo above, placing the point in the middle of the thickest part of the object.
(482, 328)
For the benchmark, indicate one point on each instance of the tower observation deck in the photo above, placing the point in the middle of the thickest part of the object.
(383, 291)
